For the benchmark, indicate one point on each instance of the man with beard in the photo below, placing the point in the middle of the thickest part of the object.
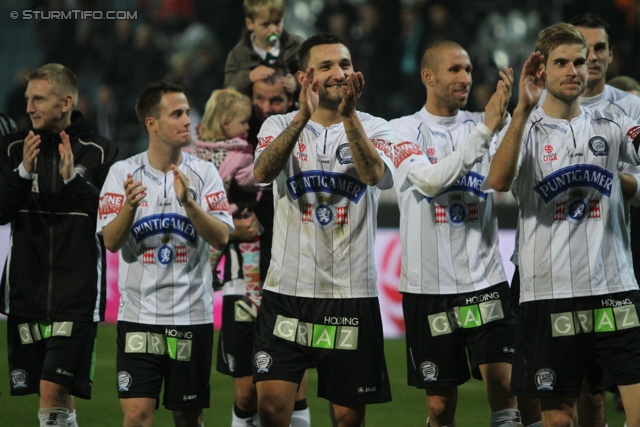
(54, 285)
(579, 296)
(451, 262)
(327, 162)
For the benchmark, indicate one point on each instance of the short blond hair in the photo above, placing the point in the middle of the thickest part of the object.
(557, 35)
(63, 81)
(252, 8)
(222, 104)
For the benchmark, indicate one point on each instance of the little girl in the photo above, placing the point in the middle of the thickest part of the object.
(220, 140)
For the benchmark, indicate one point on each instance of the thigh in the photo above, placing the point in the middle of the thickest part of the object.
(235, 341)
(26, 355)
(436, 352)
(348, 347)
(139, 372)
(188, 373)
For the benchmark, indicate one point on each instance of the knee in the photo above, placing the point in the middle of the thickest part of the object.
(246, 399)
(442, 408)
(557, 419)
(270, 407)
(137, 418)
(349, 416)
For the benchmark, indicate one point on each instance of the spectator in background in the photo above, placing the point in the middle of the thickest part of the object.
(265, 46)
(7, 125)
(15, 102)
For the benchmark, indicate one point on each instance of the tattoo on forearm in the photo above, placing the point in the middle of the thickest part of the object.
(275, 156)
(355, 137)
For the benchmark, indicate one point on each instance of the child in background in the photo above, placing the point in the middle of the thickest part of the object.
(264, 47)
(220, 140)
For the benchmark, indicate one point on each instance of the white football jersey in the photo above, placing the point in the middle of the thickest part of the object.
(164, 275)
(571, 225)
(325, 216)
(449, 236)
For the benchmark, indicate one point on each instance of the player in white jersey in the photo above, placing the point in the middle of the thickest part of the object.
(449, 232)
(600, 96)
(161, 210)
(579, 296)
(327, 162)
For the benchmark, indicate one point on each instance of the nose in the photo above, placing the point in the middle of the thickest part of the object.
(337, 73)
(592, 55)
(30, 108)
(573, 70)
(465, 78)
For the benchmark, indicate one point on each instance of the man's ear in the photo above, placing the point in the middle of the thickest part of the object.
(299, 76)
(152, 124)
(541, 69)
(67, 103)
(427, 77)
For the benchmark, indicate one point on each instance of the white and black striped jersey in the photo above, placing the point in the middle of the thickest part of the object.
(571, 226)
(164, 275)
(325, 216)
(448, 227)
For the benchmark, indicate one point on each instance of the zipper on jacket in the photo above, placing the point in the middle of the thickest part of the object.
(573, 136)
(324, 150)
(53, 195)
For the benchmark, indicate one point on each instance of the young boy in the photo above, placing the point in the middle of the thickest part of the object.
(265, 46)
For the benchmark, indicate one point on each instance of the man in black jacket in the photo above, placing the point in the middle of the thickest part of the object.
(53, 285)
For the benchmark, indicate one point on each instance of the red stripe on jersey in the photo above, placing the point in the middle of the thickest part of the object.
(342, 215)
(473, 211)
(559, 216)
(594, 209)
(181, 254)
(441, 214)
(306, 212)
(148, 255)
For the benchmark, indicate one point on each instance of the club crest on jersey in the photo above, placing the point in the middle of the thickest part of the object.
(599, 146)
(457, 213)
(164, 255)
(545, 379)
(124, 381)
(429, 371)
(578, 208)
(578, 175)
(343, 154)
(324, 215)
(263, 362)
(19, 378)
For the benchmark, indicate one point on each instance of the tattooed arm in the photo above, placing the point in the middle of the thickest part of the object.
(366, 158)
(273, 159)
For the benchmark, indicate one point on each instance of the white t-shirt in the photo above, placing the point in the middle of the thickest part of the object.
(449, 233)
(325, 216)
(571, 226)
(164, 275)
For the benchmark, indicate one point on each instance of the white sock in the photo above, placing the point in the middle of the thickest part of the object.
(301, 418)
(453, 424)
(506, 418)
(244, 422)
(53, 417)
(536, 424)
(71, 421)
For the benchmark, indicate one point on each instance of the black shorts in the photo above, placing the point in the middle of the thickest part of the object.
(59, 352)
(235, 343)
(179, 355)
(441, 329)
(562, 341)
(343, 336)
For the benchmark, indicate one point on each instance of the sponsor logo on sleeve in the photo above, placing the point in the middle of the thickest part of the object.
(217, 201)
(385, 146)
(403, 151)
(109, 204)
(263, 141)
(633, 132)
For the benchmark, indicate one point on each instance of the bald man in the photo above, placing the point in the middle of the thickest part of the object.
(456, 298)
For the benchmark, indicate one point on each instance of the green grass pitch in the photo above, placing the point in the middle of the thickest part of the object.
(406, 409)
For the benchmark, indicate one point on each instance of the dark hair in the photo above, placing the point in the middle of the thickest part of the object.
(148, 103)
(317, 40)
(592, 20)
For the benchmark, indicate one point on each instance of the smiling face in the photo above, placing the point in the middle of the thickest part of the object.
(172, 127)
(566, 70)
(599, 57)
(448, 81)
(47, 111)
(332, 66)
